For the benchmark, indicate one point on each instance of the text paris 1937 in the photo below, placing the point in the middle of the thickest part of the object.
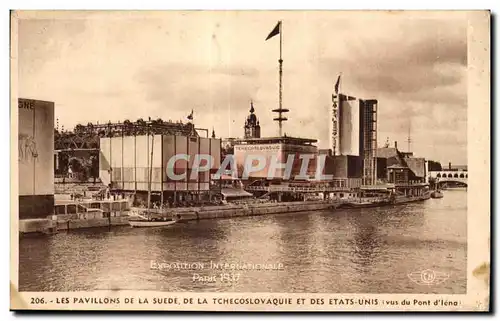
(220, 277)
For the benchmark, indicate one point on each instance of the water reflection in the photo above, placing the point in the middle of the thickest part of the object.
(366, 239)
(364, 250)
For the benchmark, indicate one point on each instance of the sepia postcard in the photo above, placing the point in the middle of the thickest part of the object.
(250, 160)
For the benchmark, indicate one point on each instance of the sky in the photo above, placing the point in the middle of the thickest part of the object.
(104, 66)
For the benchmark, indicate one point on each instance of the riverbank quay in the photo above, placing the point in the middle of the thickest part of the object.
(91, 219)
(74, 214)
(71, 215)
(229, 211)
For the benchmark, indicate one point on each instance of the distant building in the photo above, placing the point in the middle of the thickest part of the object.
(271, 148)
(402, 167)
(252, 126)
(356, 133)
(134, 157)
(280, 148)
(36, 158)
(251, 129)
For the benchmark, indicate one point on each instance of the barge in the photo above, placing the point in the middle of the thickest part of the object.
(388, 194)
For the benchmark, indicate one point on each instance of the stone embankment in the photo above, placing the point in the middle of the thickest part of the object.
(88, 220)
(228, 211)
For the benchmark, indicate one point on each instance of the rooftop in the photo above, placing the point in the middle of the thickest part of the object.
(417, 165)
(387, 152)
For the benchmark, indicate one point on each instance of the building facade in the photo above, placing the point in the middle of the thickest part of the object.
(128, 162)
(277, 149)
(402, 167)
(355, 133)
(153, 156)
(35, 158)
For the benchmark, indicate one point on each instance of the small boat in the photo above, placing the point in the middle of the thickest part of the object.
(140, 220)
(150, 223)
(436, 194)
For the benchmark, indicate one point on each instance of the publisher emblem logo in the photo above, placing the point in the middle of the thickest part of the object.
(428, 277)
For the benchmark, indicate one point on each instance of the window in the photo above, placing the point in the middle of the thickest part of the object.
(156, 174)
(60, 209)
(117, 174)
(128, 174)
(71, 209)
(115, 206)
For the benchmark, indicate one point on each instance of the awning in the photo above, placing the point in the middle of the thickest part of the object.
(383, 187)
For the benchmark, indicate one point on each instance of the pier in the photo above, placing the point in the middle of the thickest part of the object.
(71, 214)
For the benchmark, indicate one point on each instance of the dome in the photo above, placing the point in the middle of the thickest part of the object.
(252, 118)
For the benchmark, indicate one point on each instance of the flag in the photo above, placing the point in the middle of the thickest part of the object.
(275, 31)
(337, 84)
(190, 117)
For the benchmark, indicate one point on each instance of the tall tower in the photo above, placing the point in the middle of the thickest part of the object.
(252, 126)
(368, 133)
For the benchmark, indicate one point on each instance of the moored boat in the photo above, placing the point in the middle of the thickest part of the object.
(364, 203)
(150, 223)
(401, 199)
(388, 194)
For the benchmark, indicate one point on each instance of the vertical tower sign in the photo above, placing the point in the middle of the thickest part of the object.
(334, 124)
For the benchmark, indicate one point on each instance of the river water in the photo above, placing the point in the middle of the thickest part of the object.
(342, 251)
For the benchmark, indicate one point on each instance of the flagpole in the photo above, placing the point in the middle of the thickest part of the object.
(340, 83)
(281, 76)
(280, 110)
(337, 145)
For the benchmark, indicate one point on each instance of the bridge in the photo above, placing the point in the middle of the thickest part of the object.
(444, 177)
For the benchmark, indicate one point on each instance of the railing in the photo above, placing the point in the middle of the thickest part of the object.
(451, 179)
(298, 189)
(410, 184)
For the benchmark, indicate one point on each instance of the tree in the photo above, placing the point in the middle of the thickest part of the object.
(434, 166)
(94, 167)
